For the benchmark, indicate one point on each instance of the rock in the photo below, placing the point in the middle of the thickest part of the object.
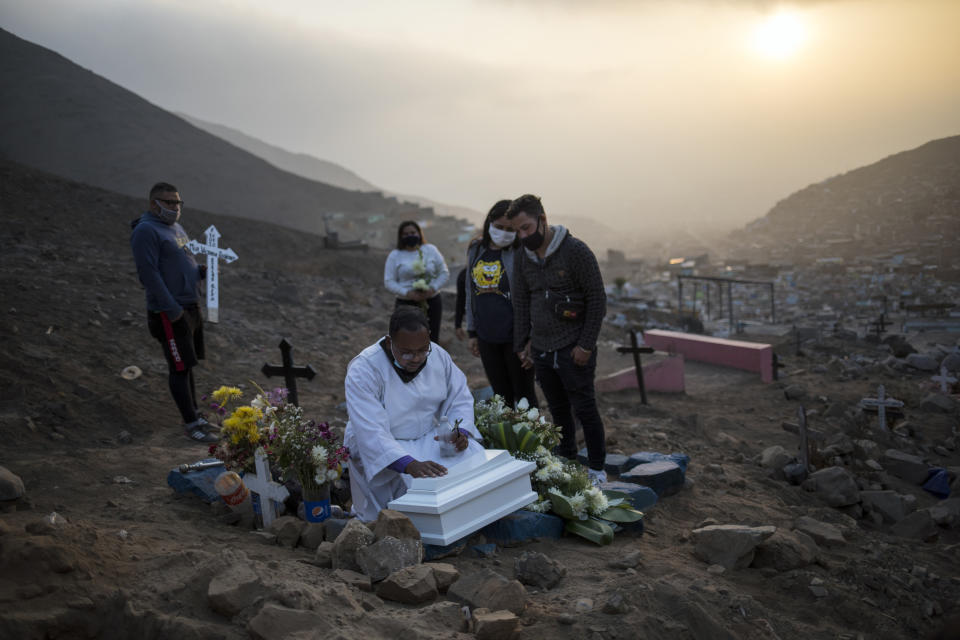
(899, 345)
(323, 556)
(643, 457)
(444, 574)
(889, 504)
(124, 437)
(835, 486)
(616, 604)
(333, 527)
(795, 473)
(387, 555)
(729, 545)
(394, 524)
(494, 625)
(785, 551)
(823, 533)
(234, 589)
(490, 590)
(908, 468)
(436, 552)
(46, 525)
(919, 525)
(522, 526)
(197, 483)
(775, 457)
(617, 463)
(938, 403)
(263, 537)
(287, 529)
(627, 561)
(354, 579)
(274, 622)
(410, 585)
(795, 392)
(922, 362)
(354, 536)
(640, 497)
(866, 448)
(952, 362)
(663, 476)
(946, 513)
(538, 570)
(312, 535)
(486, 550)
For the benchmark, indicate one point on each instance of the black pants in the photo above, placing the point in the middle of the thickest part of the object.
(568, 389)
(183, 345)
(434, 313)
(508, 379)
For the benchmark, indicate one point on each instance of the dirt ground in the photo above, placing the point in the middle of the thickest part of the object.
(133, 560)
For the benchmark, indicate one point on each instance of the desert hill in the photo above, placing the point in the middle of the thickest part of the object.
(62, 118)
(902, 203)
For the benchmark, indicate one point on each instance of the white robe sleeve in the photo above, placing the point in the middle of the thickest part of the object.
(369, 421)
(390, 275)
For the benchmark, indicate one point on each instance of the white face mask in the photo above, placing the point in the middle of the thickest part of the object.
(502, 238)
(167, 216)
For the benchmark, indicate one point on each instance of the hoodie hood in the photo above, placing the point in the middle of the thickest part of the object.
(559, 234)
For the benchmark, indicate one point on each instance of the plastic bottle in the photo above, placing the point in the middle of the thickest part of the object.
(232, 491)
(446, 436)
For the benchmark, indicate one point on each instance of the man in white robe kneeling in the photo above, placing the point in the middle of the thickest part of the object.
(397, 390)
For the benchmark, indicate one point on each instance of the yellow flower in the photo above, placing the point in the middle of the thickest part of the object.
(225, 394)
(242, 425)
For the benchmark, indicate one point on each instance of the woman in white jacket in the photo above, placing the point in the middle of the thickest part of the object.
(415, 272)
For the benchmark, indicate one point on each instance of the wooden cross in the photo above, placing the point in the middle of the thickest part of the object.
(796, 334)
(807, 435)
(289, 372)
(881, 403)
(213, 253)
(272, 494)
(636, 350)
(945, 379)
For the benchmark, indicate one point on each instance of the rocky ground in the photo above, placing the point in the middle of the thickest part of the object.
(125, 557)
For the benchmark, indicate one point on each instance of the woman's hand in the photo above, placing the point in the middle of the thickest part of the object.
(474, 348)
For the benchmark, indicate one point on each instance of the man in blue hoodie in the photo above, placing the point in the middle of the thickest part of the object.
(171, 276)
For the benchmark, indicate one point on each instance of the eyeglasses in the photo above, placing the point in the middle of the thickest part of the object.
(171, 203)
(410, 355)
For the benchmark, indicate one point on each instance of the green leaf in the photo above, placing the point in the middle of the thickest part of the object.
(528, 440)
(621, 514)
(560, 505)
(593, 530)
(615, 495)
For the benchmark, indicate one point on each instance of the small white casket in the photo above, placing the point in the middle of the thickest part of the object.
(473, 494)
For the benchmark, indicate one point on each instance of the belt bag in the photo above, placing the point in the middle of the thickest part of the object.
(566, 308)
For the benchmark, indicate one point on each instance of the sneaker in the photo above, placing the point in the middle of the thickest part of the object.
(597, 477)
(206, 426)
(197, 433)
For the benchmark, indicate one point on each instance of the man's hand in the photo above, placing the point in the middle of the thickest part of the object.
(426, 469)
(461, 334)
(526, 361)
(580, 356)
(474, 348)
(460, 441)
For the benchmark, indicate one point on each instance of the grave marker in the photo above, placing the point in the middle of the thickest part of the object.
(271, 493)
(213, 253)
(636, 350)
(807, 437)
(879, 326)
(881, 403)
(289, 372)
(945, 379)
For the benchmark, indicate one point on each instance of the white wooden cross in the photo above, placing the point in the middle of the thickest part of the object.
(261, 483)
(881, 402)
(213, 252)
(945, 379)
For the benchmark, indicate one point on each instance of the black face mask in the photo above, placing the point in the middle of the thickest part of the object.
(535, 239)
(410, 241)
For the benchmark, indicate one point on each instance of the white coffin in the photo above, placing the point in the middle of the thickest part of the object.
(472, 495)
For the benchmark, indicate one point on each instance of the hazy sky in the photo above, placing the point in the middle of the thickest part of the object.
(624, 111)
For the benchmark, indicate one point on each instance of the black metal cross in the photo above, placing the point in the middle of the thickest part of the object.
(636, 350)
(879, 326)
(289, 372)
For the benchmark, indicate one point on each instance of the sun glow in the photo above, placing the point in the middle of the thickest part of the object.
(779, 36)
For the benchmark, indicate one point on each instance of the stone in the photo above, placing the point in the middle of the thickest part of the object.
(264, 537)
(410, 585)
(952, 362)
(387, 555)
(795, 473)
(436, 552)
(287, 529)
(836, 486)
(522, 526)
(640, 497)
(312, 535)
(795, 392)
(394, 524)
(197, 483)
(333, 527)
(444, 574)
(905, 466)
(489, 589)
(785, 551)
(323, 556)
(899, 345)
(617, 463)
(539, 570)
(643, 457)
(919, 525)
(275, 622)
(626, 561)
(354, 579)
(938, 403)
(494, 625)
(775, 457)
(234, 589)
(866, 448)
(922, 362)
(583, 605)
(823, 533)
(354, 536)
(486, 550)
(729, 545)
(889, 504)
(665, 477)
(946, 513)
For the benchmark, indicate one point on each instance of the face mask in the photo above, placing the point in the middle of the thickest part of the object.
(502, 238)
(534, 240)
(167, 216)
(410, 241)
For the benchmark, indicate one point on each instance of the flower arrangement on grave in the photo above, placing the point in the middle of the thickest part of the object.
(305, 449)
(241, 432)
(563, 487)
